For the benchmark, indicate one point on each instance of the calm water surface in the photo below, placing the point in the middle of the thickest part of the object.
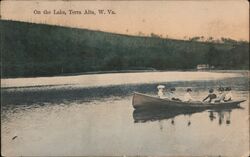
(81, 119)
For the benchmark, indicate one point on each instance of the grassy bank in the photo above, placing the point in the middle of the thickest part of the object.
(42, 50)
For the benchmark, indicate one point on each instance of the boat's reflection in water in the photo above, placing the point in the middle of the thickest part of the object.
(222, 115)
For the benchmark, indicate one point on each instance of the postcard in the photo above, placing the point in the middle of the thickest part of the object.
(125, 78)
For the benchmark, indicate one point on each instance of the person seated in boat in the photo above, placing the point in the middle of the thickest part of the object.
(221, 95)
(211, 96)
(172, 96)
(228, 96)
(187, 96)
(161, 91)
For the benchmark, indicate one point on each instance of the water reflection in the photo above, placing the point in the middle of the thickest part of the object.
(71, 93)
(223, 115)
(96, 121)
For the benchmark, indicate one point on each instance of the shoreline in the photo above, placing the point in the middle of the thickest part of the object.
(130, 71)
(105, 79)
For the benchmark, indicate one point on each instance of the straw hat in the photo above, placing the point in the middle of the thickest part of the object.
(160, 87)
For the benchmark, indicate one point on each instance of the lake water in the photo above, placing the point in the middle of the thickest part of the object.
(93, 115)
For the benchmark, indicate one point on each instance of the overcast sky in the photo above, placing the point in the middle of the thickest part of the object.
(175, 19)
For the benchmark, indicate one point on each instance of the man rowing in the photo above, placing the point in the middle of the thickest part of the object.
(211, 96)
(222, 96)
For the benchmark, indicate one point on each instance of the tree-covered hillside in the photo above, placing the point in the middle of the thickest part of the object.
(42, 50)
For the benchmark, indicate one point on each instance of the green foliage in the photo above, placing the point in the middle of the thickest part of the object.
(42, 50)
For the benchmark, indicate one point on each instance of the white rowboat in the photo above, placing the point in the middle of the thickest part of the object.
(146, 101)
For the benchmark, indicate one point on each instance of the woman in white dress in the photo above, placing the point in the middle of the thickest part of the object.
(228, 96)
(161, 91)
(187, 96)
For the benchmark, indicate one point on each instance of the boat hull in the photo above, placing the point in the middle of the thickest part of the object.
(141, 116)
(141, 101)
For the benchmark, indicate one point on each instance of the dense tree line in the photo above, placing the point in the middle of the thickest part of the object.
(42, 50)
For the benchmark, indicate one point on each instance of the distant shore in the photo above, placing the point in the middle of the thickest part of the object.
(130, 71)
(118, 78)
(83, 52)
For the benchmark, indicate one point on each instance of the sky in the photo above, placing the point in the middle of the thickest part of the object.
(177, 19)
